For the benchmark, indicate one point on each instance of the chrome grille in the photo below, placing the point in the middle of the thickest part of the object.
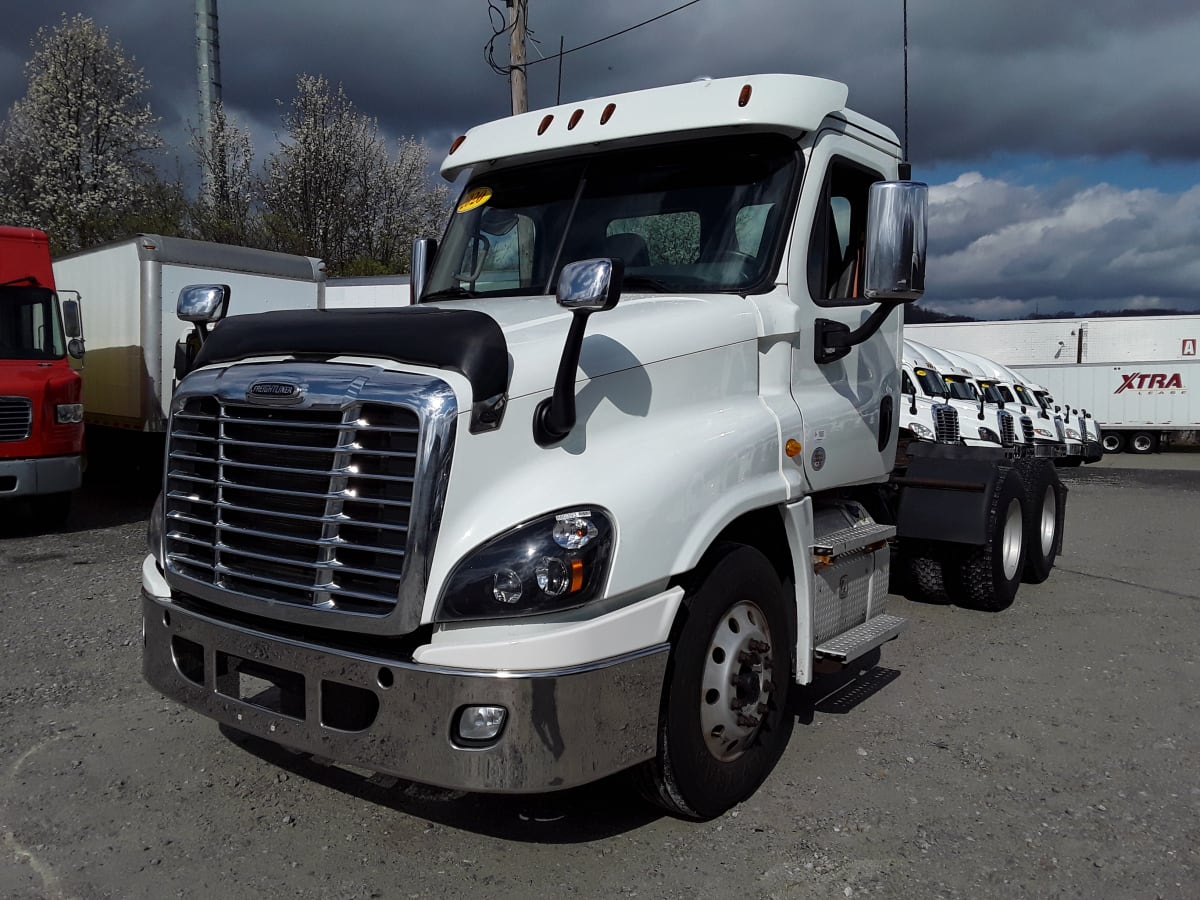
(16, 418)
(945, 423)
(308, 507)
(1008, 435)
(1027, 428)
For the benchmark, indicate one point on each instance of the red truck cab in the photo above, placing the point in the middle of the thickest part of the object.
(41, 416)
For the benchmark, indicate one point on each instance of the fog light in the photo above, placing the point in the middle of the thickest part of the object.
(481, 723)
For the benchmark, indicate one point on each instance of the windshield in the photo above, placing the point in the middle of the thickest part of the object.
(995, 392)
(960, 388)
(931, 382)
(1026, 396)
(706, 215)
(29, 324)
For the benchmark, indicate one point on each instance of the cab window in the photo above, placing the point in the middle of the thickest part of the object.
(838, 241)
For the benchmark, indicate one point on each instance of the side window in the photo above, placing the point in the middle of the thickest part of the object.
(835, 252)
(670, 239)
(906, 385)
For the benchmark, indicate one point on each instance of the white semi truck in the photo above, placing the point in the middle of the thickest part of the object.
(495, 542)
(1134, 375)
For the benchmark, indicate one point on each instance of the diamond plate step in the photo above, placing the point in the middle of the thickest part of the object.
(848, 540)
(862, 639)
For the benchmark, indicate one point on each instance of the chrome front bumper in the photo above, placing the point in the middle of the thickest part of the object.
(563, 728)
(40, 475)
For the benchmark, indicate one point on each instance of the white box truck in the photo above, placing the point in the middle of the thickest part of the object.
(380, 291)
(1136, 375)
(132, 287)
(624, 475)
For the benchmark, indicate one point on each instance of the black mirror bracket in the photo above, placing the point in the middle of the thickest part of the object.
(833, 340)
(554, 417)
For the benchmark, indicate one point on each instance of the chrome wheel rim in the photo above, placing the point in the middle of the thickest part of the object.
(1049, 520)
(737, 682)
(1010, 541)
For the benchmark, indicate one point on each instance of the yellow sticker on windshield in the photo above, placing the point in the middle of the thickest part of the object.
(474, 198)
(921, 372)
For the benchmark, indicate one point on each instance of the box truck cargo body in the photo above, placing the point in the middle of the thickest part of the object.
(386, 291)
(1136, 375)
(131, 288)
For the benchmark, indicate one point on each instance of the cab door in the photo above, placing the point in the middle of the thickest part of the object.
(849, 406)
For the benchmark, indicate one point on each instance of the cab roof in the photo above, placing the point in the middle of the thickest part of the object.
(787, 104)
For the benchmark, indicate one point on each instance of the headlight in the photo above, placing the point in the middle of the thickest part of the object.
(986, 434)
(556, 562)
(1073, 434)
(68, 413)
(920, 430)
(154, 531)
(1043, 432)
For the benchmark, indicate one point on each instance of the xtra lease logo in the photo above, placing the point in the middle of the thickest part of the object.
(1148, 381)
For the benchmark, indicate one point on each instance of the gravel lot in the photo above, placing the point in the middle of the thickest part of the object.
(1049, 750)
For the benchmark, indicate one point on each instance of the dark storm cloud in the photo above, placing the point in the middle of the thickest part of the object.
(1035, 78)
(1100, 77)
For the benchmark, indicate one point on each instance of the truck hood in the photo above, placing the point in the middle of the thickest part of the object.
(639, 331)
(30, 377)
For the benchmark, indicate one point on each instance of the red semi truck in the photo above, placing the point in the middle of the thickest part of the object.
(41, 416)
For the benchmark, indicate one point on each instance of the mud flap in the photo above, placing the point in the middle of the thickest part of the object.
(947, 497)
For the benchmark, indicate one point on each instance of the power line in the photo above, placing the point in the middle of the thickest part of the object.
(614, 34)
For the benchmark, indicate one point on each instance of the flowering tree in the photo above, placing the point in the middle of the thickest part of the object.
(224, 208)
(73, 149)
(336, 188)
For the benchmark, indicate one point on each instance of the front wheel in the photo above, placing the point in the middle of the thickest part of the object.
(723, 721)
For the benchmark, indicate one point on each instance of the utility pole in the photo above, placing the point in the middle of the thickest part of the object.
(208, 70)
(517, 13)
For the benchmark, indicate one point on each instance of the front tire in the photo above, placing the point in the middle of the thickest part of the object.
(723, 720)
(987, 576)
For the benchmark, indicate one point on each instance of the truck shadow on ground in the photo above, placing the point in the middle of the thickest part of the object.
(604, 809)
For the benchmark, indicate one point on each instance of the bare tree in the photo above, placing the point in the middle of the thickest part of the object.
(73, 149)
(335, 189)
(224, 209)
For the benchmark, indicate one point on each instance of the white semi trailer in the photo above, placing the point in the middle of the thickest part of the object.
(625, 474)
(131, 288)
(1136, 376)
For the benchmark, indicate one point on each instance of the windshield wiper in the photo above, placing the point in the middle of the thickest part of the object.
(447, 293)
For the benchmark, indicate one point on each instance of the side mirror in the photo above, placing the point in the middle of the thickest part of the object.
(589, 285)
(75, 348)
(423, 251)
(72, 319)
(897, 230)
(584, 287)
(203, 304)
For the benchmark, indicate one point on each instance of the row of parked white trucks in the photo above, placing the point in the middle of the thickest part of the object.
(640, 458)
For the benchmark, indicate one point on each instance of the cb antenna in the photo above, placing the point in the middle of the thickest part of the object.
(905, 166)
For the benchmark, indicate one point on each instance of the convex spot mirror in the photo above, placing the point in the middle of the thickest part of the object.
(590, 284)
(75, 348)
(897, 229)
(203, 303)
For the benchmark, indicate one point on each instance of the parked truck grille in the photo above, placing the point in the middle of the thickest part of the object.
(945, 422)
(1027, 428)
(297, 506)
(16, 418)
(1007, 432)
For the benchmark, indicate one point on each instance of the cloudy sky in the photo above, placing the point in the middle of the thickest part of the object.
(1061, 138)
